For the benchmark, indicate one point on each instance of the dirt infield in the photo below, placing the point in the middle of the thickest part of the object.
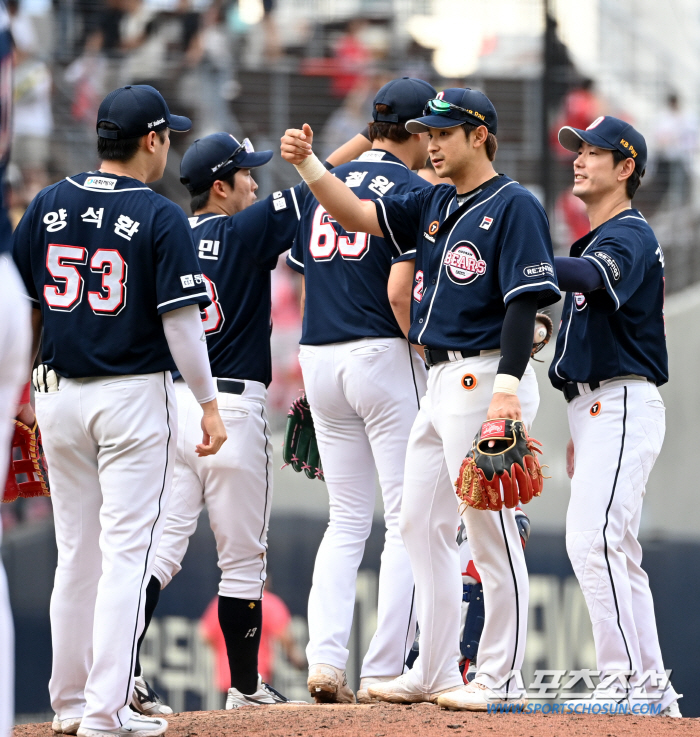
(388, 720)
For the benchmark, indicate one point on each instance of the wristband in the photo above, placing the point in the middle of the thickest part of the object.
(311, 169)
(505, 384)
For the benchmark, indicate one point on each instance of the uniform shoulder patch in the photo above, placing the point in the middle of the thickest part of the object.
(279, 201)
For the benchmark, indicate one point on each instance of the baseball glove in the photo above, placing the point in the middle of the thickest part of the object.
(300, 450)
(32, 464)
(544, 327)
(502, 455)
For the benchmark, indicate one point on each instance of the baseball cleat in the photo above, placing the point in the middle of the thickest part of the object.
(329, 685)
(362, 695)
(475, 697)
(146, 701)
(672, 710)
(137, 726)
(66, 726)
(403, 690)
(265, 695)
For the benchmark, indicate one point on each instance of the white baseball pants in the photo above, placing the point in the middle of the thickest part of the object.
(442, 434)
(235, 484)
(15, 340)
(617, 431)
(364, 397)
(110, 447)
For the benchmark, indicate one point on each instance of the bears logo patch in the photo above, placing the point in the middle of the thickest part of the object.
(469, 382)
(463, 263)
(595, 409)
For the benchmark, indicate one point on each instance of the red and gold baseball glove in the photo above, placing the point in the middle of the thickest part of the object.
(502, 456)
(32, 465)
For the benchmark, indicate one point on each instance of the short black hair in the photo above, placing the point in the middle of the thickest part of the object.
(634, 179)
(380, 130)
(120, 149)
(200, 200)
(491, 141)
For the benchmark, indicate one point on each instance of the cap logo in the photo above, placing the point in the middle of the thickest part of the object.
(218, 166)
(629, 147)
(156, 122)
(440, 95)
(596, 123)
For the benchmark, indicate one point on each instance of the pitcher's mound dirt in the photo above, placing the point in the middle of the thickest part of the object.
(390, 720)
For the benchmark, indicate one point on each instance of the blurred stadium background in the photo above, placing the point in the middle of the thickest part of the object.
(256, 67)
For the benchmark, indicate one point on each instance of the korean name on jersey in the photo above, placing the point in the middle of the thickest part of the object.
(103, 257)
(346, 273)
(470, 260)
(617, 330)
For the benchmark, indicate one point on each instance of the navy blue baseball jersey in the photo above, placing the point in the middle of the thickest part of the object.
(617, 330)
(103, 257)
(346, 274)
(471, 260)
(5, 122)
(236, 255)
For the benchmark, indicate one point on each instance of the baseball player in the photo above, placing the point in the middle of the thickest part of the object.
(14, 361)
(363, 382)
(238, 242)
(610, 358)
(111, 271)
(485, 254)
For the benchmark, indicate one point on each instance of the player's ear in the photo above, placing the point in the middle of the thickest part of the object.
(149, 141)
(480, 135)
(626, 169)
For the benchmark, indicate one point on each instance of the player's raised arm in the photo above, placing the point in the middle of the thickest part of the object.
(339, 200)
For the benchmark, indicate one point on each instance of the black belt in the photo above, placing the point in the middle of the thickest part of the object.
(230, 386)
(434, 355)
(571, 390)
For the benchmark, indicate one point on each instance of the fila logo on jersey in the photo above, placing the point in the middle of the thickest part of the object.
(469, 382)
(534, 270)
(579, 301)
(278, 201)
(610, 263)
(100, 183)
(486, 223)
(595, 409)
(464, 263)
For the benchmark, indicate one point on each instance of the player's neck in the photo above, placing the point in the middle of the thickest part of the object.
(605, 209)
(396, 149)
(213, 208)
(135, 168)
(471, 177)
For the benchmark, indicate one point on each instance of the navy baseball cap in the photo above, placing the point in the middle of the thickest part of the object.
(456, 106)
(137, 110)
(405, 98)
(610, 133)
(215, 156)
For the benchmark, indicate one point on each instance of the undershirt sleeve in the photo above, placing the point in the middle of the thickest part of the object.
(517, 334)
(577, 274)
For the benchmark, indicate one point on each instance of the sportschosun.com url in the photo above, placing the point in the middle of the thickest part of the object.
(579, 708)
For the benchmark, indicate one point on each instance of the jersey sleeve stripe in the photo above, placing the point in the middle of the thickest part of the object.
(180, 299)
(388, 228)
(529, 286)
(296, 205)
(291, 258)
(604, 272)
(31, 299)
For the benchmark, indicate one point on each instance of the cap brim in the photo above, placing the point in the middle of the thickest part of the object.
(570, 138)
(420, 125)
(179, 123)
(254, 159)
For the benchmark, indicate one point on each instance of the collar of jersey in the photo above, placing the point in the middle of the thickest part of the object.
(579, 246)
(388, 156)
(478, 192)
(123, 183)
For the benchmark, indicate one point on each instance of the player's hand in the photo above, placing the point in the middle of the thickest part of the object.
(504, 407)
(214, 432)
(25, 414)
(570, 460)
(295, 144)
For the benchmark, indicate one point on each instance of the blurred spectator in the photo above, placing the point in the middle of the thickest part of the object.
(352, 57)
(675, 144)
(275, 629)
(580, 108)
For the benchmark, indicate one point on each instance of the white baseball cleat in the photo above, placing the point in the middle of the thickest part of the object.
(146, 701)
(137, 726)
(403, 690)
(329, 685)
(66, 726)
(362, 695)
(672, 710)
(265, 695)
(476, 697)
